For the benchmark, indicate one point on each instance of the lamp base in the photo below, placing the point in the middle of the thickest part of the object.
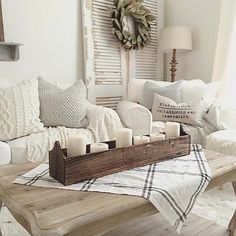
(173, 66)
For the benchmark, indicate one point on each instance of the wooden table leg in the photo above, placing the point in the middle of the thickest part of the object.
(232, 224)
(0, 213)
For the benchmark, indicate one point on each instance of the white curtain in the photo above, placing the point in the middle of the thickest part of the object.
(225, 57)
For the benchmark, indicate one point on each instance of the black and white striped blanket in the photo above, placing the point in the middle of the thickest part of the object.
(172, 186)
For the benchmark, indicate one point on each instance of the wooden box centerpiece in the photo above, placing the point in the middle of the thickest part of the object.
(70, 170)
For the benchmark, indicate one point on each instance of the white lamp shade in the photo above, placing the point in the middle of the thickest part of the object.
(175, 37)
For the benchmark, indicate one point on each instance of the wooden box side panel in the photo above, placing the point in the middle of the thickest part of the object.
(100, 164)
(57, 163)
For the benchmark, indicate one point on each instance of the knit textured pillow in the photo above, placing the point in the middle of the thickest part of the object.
(19, 110)
(63, 107)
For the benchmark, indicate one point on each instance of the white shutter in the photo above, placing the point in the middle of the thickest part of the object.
(104, 71)
(107, 66)
(148, 62)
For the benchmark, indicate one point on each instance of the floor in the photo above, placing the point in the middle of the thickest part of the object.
(217, 205)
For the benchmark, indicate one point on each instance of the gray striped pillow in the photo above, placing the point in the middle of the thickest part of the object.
(63, 107)
(172, 91)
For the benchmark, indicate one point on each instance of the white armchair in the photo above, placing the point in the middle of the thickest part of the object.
(139, 119)
(135, 116)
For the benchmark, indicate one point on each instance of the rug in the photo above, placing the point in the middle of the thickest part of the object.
(217, 205)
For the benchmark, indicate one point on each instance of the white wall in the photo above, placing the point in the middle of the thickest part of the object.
(51, 32)
(203, 18)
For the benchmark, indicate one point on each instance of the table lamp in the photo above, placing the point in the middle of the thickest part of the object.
(173, 39)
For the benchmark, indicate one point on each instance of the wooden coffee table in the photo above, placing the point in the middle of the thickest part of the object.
(44, 211)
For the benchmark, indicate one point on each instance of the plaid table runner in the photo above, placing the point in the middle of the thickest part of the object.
(172, 186)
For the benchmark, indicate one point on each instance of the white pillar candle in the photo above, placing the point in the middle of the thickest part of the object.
(172, 130)
(157, 137)
(98, 147)
(141, 140)
(76, 145)
(123, 137)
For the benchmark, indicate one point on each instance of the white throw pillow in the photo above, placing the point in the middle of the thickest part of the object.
(165, 109)
(195, 90)
(221, 116)
(19, 110)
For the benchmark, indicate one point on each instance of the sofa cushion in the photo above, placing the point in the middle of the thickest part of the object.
(63, 107)
(199, 134)
(135, 88)
(19, 150)
(19, 110)
(165, 109)
(39, 145)
(172, 91)
(5, 153)
(223, 141)
(221, 116)
(36, 147)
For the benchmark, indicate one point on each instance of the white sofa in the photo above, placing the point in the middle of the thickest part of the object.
(35, 147)
(101, 125)
(139, 118)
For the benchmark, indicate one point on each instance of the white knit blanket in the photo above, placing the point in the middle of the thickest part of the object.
(172, 186)
(102, 123)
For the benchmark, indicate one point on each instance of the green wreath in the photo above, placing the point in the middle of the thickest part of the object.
(142, 18)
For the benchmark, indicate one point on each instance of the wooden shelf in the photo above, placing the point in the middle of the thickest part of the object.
(9, 51)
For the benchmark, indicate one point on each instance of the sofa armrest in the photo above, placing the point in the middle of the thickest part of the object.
(136, 117)
(102, 122)
(5, 153)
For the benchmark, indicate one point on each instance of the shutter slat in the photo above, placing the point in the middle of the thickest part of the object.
(107, 57)
(110, 102)
(146, 60)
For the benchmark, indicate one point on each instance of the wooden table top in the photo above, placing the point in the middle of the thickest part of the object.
(57, 212)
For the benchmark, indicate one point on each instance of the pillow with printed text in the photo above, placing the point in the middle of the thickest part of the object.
(165, 109)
